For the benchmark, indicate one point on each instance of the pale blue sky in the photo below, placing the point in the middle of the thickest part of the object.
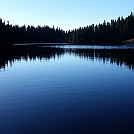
(66, 14)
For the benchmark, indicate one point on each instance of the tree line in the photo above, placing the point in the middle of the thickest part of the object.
(112, 32)
(10, 34)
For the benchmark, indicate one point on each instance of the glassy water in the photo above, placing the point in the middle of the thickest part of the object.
(66, 91)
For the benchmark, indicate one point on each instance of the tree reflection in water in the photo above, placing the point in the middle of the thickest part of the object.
(16, 53)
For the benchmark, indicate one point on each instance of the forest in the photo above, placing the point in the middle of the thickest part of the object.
(115, 32)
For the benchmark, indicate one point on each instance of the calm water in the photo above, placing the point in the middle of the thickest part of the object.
(67, 91)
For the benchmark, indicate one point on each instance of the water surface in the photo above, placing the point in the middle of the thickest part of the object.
(67, 91)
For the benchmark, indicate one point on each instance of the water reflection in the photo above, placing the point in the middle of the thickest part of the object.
(27, 53)
(114, 56)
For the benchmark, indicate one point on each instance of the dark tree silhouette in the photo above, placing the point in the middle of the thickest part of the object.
(114, 32)
(106, 33)
(15, 34)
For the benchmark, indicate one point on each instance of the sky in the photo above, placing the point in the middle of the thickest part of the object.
(65, 14)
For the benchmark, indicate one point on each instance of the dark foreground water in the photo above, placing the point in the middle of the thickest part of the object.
(66, 91)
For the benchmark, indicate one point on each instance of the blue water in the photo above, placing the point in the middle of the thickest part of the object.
(66, 94)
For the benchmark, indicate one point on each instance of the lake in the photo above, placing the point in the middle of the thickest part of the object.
(67, 90)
